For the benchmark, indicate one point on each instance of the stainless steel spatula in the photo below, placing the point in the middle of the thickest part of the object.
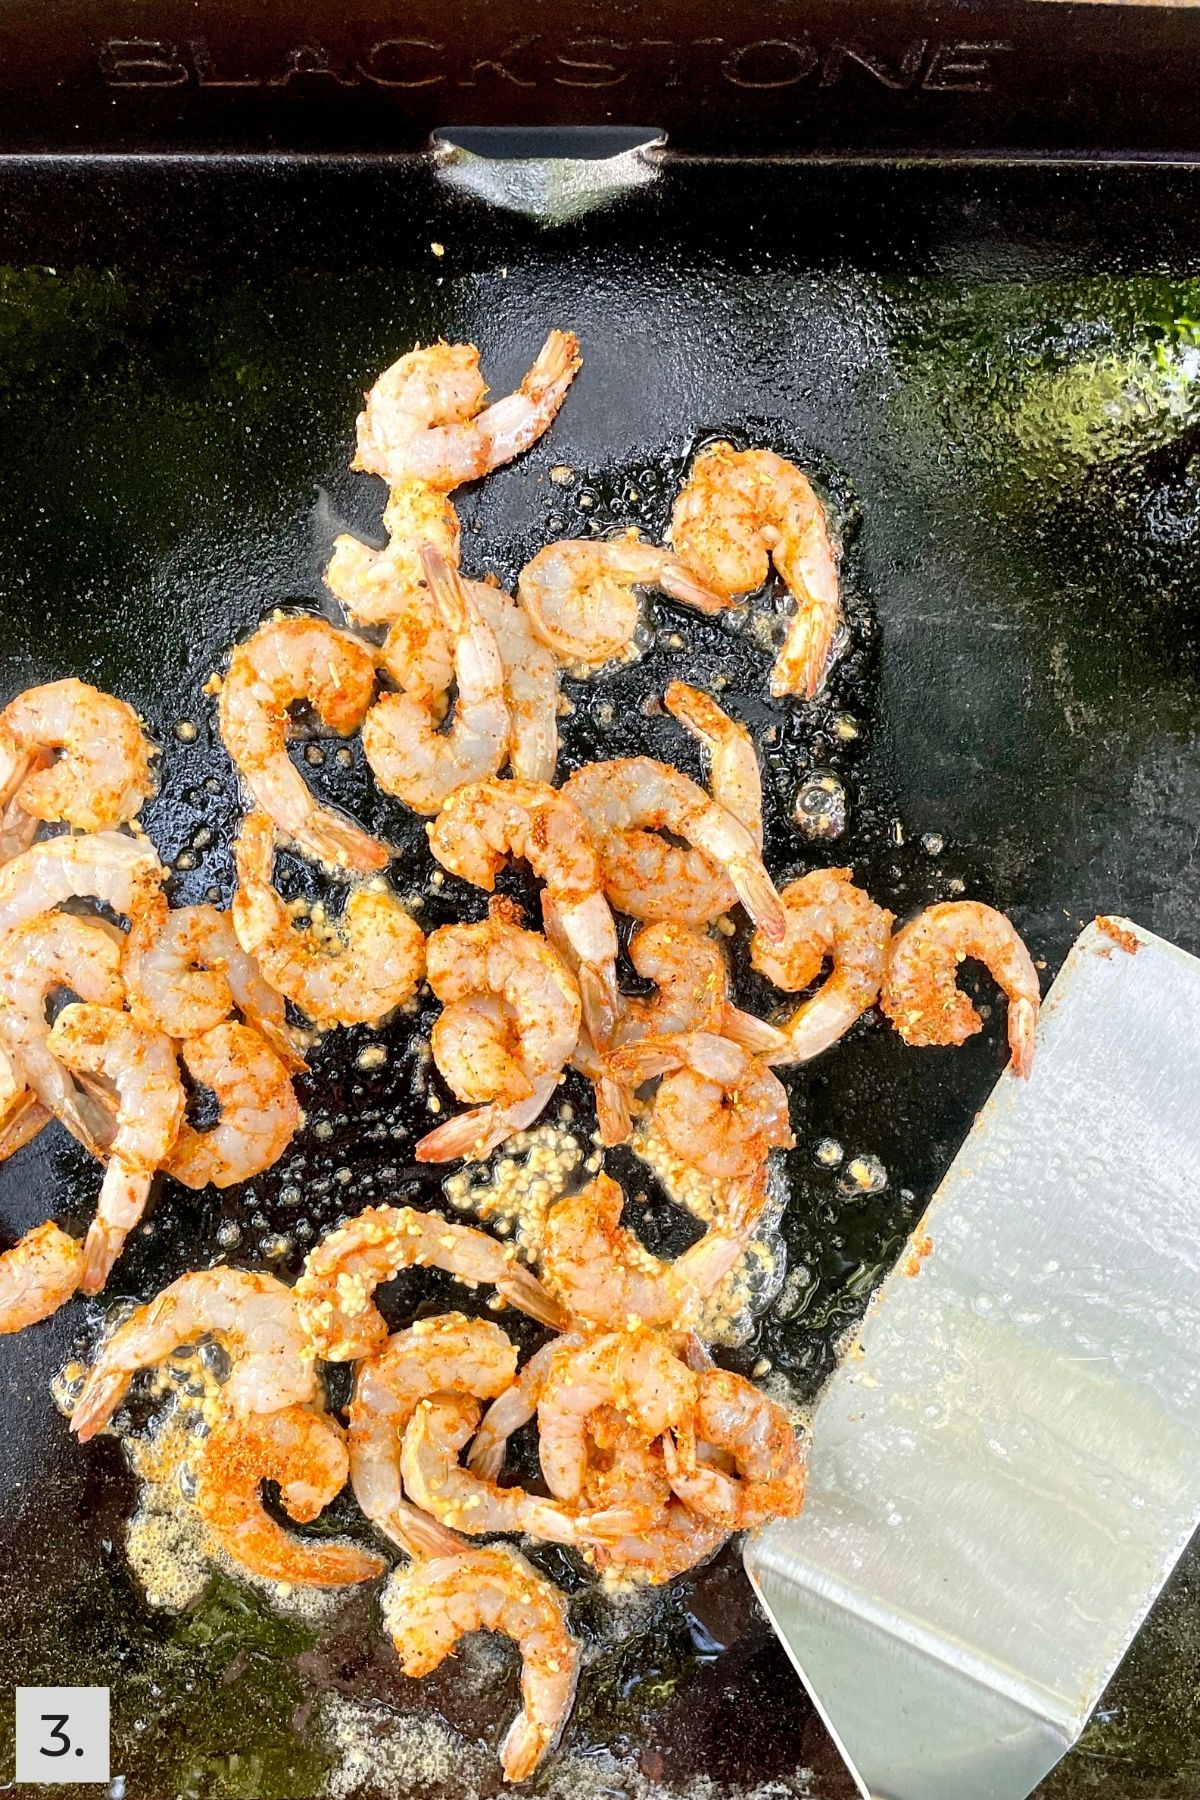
(1006, 1466)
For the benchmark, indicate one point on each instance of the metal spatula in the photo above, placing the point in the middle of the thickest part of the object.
(1006, 1466)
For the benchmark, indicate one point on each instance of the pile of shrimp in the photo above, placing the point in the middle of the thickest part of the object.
(650, 1454)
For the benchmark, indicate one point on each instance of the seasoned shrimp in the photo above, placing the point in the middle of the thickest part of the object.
(828, 919)
(482, 826)
(627, 803)
(410, 757)
(580, 595)
(435, 1480)
(450, 1354)
(430, 1605)
(603, 1274)
(37, 1276)
(254, 1316)
(738, 507)
(920, 995)
(735, 1417)
(691, 973)
(102, 772)
(380, 587)
(718, 1108)
(530, 684)
(260, 1114)
(422, 420)
(304, 1451)
(335, 1292)
(185, 973)
(373, 964)
(57, 950)
(140, 1064)
(122, 871)
(734, 775)
(637, 1371)
(499, 1055)
(678, 1540)
(286, 660)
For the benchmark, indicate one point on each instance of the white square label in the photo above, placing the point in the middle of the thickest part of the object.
(62, 1734)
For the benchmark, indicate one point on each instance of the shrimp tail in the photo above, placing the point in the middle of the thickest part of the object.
(644, 1061)
(98, 1402)
(685, 587)
(344, 845)
(757, 893)
(473, 1135)
(419, 1534)
(598, 998)
(526, 1293)
(804, 660)
(754, 1035)
(1022, 1028)
(101, 1248)
(278, 1556)
(613, 1111)
(558, 362)
(22, 1124)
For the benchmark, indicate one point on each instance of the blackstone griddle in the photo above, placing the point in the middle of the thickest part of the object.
(945, 256)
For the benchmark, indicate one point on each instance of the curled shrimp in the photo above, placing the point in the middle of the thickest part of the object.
(921, 997)
(410, 757)
(636, 1371)
(828, 920)
(260, 1114)
(530, 684)
(422, 420)
(304, 1451)
(718, 1108)
(511, 1008)
(734, 1417)
(441, 1426)
(254, 1316)
(140, 1064)
(102, 772)
(286, 660)
(37, 1276)
(450, 1354)
(382, 587)
(57, 950)
(737, 508)
(122, 871)
(622, 1466)
(335, 1292)
(185, 973)
(691, 973)
(735, 779)
(357, 972)
(602, 1274)
(483, 825)
(627, 803)
(430, 1605)
(580, 595)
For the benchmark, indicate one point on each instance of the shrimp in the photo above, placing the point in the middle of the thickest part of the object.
(734, 777)
(375, 966)
(304, 1451)
(627, 803)
(603, 1274)
(286, 660)
(429, 1606)
(637, 1371)
(481, 826)
(737, 507)
(476, 1133)
(124, 872)
(678, 1540)
(260, 1114)
(422, 420)
(37, 1276)
(446, 1355)
(735, 1417)
(828, 919)
(691, 974)
(515, 1407)
(580, 598)
(96, 1040)
(254, 1316)
(919, 993)
(336, 1287)
(498, 1056)
(57, 950)
(441, 1426)
(409, 756)
(102, 772)
(382, 587)
(185, 973)
(530, 684)
(718, 1109)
